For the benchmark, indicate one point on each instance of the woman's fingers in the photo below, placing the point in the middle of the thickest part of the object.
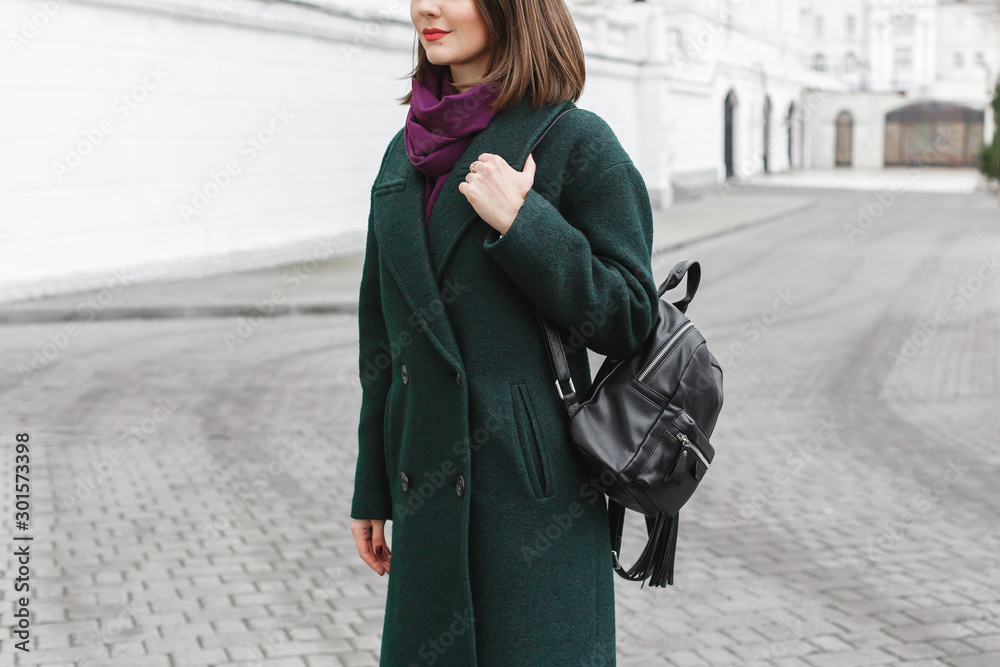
(362, 531)
(382, 551)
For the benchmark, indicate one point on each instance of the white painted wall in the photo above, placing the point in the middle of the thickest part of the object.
(147, 111)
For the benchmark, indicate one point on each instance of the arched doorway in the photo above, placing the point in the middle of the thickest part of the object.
(791, 123)
(845, 139)
(730, 122)
(767, 133)
(933, 133)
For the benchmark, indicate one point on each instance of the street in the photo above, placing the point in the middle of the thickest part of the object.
(192, 476)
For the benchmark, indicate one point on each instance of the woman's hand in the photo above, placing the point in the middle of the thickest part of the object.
(369, 536)
(496, 190)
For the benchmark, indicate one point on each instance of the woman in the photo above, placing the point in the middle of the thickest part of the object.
(501, 555)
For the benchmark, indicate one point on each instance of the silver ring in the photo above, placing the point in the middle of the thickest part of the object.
(472, 167)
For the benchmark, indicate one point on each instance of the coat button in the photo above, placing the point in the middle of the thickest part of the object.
(458, 378)
(402, 373)
(460, 486)
(404, 481)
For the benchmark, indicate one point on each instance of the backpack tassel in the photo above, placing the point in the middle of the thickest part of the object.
(664, 549)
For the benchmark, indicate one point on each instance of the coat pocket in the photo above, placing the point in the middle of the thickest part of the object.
(392, 185)
(389, 430)
(530, 440)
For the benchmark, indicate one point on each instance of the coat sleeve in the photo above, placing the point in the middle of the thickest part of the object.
(589, 267)
(372, 499)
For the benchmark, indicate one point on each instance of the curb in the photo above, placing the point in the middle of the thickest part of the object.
(174, 312)
(659, 250)
(32, 316)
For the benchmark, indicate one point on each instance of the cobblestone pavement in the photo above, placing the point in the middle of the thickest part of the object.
(191, 477)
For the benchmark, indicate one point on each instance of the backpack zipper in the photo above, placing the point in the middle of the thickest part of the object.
(666, 348)
(697, 450)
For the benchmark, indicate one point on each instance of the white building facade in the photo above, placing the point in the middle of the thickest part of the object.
(921, 76)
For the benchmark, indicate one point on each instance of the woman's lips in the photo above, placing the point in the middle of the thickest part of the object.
(434, 35)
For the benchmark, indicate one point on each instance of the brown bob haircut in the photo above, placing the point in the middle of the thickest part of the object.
(536, 48)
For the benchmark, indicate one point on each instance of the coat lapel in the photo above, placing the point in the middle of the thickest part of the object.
(418, 257)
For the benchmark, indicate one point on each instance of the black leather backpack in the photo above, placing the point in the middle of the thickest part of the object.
(644, 428)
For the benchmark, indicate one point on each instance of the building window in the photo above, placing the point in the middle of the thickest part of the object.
(850, 63)
(959, 61)
(903, 59)
(980, 60)
(820, 26)
(849, 25)
(819, 62)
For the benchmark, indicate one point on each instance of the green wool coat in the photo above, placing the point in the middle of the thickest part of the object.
(501, 555)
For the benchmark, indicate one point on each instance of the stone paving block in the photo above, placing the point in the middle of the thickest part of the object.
(790, 662)
(147, 660)
(718, 656)
(198, 658)
(944, 614)
(359, 660)
(852, 658)
(915, 633)
(915, 651)
(685, 658)
(830, 643)
(985, 643)
(981, 660)
(323, 661)
(305, 633)
(282, 662)
(872, 638)
(305, 648)
(772, 650)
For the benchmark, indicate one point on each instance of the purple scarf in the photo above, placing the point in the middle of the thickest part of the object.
(440, 125)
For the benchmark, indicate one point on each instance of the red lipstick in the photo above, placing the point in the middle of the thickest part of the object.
(432, 34)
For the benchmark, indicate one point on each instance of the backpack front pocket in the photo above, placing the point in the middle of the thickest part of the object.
(530, 440)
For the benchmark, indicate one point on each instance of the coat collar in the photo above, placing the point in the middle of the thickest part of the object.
(418, 256)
